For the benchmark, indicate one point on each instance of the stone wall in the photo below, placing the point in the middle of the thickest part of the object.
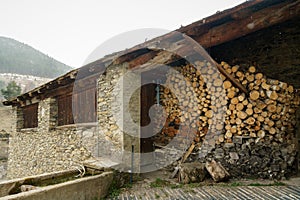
(117, 98)
(4, 137)
(6, 116)
(5, 129)
(33, 152)
(48, 148)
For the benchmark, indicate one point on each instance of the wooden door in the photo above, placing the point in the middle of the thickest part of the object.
(148, 95)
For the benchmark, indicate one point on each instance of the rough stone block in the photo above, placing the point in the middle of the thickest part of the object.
(192, 172)
(233, 155)
(229, 145)
(219, 153)
(238, 140)
(275, 168)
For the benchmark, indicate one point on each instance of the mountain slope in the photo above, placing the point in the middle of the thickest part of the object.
(19, 58)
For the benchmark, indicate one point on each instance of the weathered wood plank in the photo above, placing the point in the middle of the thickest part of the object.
(255, 21)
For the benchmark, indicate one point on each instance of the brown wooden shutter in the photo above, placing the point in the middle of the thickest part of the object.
(85, 106)
(65, 114)
(30, 116)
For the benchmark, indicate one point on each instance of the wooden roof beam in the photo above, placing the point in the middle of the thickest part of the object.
(255, 21)
(131, 55)
(140, 60)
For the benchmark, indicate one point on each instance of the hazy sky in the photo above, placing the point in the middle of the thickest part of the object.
(69, 30)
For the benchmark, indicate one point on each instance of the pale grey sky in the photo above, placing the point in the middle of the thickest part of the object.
(69, 30)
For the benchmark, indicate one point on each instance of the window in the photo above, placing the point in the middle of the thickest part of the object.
(64, 106)
(85, 106)
(78, 106)
(30, 116)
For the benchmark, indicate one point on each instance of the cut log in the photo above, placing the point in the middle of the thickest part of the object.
(261, 134)
(254, 95)
(227, 84)
(290, 89)
(272, 95)
(232, 79)
(259, 76)
(242, 115)
(265, 86)
(188, 153)
(231, 93)
(252, 69)
(217, 171)
(271, 108)
(228, 134)
(249, 112)
(239, 106)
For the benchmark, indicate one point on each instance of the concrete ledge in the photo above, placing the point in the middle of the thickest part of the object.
(93, 187)
(9, 186)
(78, 125)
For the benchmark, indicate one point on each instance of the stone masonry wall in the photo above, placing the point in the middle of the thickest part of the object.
(3, 154)
(117, 132)
(48, 148)
(33, 152)
(5, 129)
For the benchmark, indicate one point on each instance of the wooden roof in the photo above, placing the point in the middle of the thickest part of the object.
(211, 31)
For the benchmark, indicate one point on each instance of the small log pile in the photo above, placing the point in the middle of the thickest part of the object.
(218, 114)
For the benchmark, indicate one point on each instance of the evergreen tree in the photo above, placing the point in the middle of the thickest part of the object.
(12, 90)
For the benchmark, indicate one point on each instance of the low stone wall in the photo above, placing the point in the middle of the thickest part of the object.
(4, 138)
(33, 152)
(6, 116)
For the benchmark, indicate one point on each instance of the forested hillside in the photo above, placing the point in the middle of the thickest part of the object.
(19, 58)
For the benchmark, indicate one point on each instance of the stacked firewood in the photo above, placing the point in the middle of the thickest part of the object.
(203, 99)
(267, 111)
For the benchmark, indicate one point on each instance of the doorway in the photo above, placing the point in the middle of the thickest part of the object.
(147, 100)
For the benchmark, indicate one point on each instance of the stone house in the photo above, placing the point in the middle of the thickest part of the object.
(80, 115)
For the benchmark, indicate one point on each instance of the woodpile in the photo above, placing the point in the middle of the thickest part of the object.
(190, 102)
(268, 111)
(216, 112)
